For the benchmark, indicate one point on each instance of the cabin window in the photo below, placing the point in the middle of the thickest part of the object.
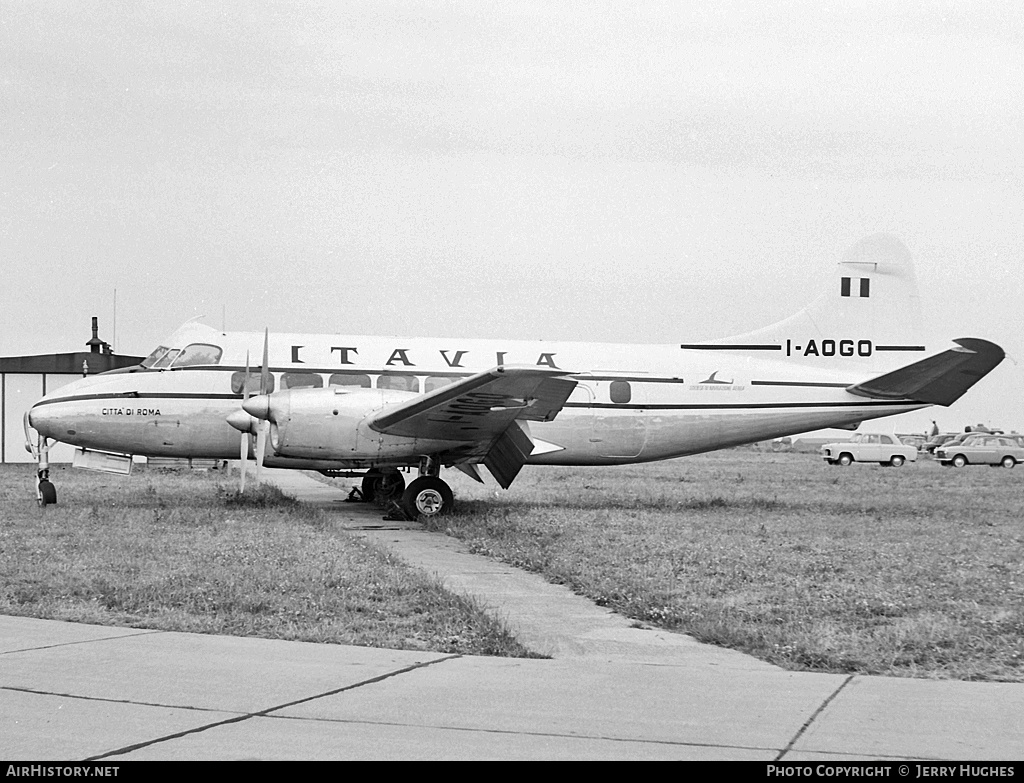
(154, 357)
(620, 391)
(347, 379)
(436, 382)
(398, 382)
(239, 382)
(198, 353)
(301, 380)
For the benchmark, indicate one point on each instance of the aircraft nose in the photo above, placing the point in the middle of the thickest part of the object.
(45, 420)
(258, 406)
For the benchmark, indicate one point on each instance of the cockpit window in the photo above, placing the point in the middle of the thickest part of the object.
(198, 353)
(166, 359)
(154, 357)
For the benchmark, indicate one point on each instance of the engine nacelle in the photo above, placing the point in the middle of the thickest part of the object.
(332, 424)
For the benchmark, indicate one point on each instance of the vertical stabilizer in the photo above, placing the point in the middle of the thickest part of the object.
(867, 315)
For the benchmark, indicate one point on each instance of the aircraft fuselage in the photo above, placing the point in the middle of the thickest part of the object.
(632, 403)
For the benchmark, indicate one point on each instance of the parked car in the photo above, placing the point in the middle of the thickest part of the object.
(962, 438)
(917, 441)
(937, 440)
(868, 447)
(982, 450)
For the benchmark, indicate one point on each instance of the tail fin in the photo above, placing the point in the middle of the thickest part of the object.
(867, 317)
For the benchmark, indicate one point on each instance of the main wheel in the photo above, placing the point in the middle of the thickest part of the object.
(845, 460)
(1008, 461)
(427, 496)
(382, 486)
(47, 493)
(897, 460)
(959, 461)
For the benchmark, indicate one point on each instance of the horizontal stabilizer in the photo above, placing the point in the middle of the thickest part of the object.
(938, 380)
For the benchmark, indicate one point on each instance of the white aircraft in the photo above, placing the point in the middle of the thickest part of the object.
(383, 405)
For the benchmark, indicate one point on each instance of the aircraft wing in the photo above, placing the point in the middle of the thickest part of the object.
(938, 380)
(482, 414)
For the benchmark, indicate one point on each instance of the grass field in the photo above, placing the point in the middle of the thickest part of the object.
(915, 571)
(177, 551)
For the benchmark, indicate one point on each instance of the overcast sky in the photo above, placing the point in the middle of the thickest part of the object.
(623, 172)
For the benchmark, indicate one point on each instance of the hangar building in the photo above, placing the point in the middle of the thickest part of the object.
(24, 379)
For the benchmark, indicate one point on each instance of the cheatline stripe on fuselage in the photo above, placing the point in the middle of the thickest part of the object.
(604, 405)
(393, 371)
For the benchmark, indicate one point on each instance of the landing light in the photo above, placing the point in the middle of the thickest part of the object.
(513, 405)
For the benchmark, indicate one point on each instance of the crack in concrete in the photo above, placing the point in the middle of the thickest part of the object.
(478, 730)
(814, 716)
(129, 632)
(79, 697)
(266, 712)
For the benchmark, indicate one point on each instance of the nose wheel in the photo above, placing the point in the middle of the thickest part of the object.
(46, 493)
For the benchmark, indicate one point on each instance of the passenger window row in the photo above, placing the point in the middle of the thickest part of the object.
(620, 392)
(312, 380)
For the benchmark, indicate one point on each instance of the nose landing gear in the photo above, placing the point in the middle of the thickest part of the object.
(46, 493)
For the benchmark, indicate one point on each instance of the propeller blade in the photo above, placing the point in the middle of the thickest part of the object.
(243, 461)
(243, 458)
(261, 446)
(265, 370)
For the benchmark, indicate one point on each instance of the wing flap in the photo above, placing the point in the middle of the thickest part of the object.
(508, 455)
(938, 380)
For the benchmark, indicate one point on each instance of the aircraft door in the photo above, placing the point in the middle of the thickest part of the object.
(581, 403)
(619, 432)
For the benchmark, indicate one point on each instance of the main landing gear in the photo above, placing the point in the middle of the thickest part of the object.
(382, 486)
(425, 497)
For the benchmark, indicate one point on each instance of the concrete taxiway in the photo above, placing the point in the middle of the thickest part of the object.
(610, 691)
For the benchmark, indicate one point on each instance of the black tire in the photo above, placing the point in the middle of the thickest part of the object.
(959, 461)
(845, 459)
(47, 493)
(1008, 461)
(897, 460)
(382, 487)
(427, 496)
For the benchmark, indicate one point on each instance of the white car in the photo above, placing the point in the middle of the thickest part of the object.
(984, 449)
(869, 447)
